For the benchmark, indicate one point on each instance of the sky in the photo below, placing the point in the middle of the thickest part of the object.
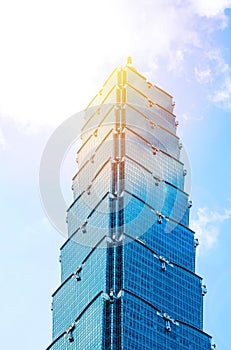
(54, 58)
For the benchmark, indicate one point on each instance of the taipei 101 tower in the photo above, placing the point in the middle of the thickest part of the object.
(128, 278)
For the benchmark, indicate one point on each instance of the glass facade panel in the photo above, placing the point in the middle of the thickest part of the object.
(78, 290)
(145, 329)
(128, 266)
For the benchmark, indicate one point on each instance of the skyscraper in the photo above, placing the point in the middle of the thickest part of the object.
(128, 276)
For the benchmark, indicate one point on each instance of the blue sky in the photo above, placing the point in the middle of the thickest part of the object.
(55, 56)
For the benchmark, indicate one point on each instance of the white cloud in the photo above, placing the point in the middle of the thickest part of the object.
(215, 72)
(54, 55)
(203, 75)
(186, 116)
(2, 140)
(207, 226)
(222, 97)
(50, 53)
(210, 8)
(219, 64)
(176, 61)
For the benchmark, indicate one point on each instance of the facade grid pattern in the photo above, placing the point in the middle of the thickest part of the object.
(128, 276)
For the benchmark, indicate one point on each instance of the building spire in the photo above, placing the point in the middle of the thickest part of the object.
(129, 60)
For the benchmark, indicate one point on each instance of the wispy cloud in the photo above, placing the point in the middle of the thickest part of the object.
(186, 116)
(215, 74)
(207, 226)
(203, 75)
(222, 97)
(211, 9)
(219, 64)
(44, 84)
(2, 140)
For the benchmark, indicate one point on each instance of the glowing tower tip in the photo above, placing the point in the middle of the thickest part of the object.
(129, 60)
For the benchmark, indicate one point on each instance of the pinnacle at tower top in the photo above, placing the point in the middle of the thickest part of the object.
(135, 90)
(128, 267)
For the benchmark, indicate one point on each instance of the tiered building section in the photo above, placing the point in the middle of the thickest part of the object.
(128, 266)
